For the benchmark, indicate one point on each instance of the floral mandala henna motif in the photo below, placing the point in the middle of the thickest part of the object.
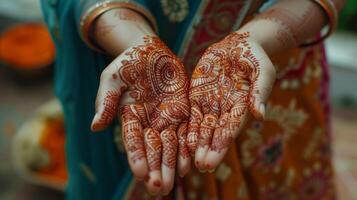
(223, 84)
(156, 76)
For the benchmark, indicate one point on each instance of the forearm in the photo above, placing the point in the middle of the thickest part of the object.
(117, 29)
(287, 24)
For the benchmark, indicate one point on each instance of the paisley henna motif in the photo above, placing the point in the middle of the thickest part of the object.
(224, 85)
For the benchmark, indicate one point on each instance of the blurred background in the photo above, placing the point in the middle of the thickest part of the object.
(32, 167)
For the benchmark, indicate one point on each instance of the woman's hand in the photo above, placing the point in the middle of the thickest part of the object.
(148, 85)
(233, 76)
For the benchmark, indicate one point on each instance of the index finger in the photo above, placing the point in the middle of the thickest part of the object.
(133, 138)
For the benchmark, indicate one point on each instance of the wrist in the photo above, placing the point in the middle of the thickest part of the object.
(254, 38)
(118, 29)
(120, 41)
(273, 38)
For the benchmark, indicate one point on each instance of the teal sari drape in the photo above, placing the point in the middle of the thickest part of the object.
(94, 165)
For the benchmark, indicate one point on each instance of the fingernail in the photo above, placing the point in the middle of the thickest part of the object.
(212, 170)
(209, 168)
(157, 183)
(202, 170)
(94, 126)
(97, 127)
(262, 110)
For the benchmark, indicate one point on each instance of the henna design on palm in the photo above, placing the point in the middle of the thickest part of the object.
(221, 82)
(149, 84)
(159, 80)
(225, 83)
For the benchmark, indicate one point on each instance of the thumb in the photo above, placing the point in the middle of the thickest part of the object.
(110, 90)
(262, 84)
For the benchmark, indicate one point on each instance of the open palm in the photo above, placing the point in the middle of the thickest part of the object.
(148, 85)
(233, 76)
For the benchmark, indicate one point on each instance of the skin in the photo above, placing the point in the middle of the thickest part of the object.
(287, 24)
(147, 86)
(227, 86)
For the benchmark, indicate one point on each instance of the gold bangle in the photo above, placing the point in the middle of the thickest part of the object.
(89, 16)
(331, 12)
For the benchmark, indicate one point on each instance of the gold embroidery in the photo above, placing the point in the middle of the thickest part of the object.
(175, 10)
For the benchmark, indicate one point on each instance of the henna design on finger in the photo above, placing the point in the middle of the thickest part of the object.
(153, 149)
(192, 139)
(181, 135)
(236, 114)
(223, 83)
(110, 107)
(222, 140)
(206, 130)
(169, 143)
(223, 135)
(193, 128)
(132, 134)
